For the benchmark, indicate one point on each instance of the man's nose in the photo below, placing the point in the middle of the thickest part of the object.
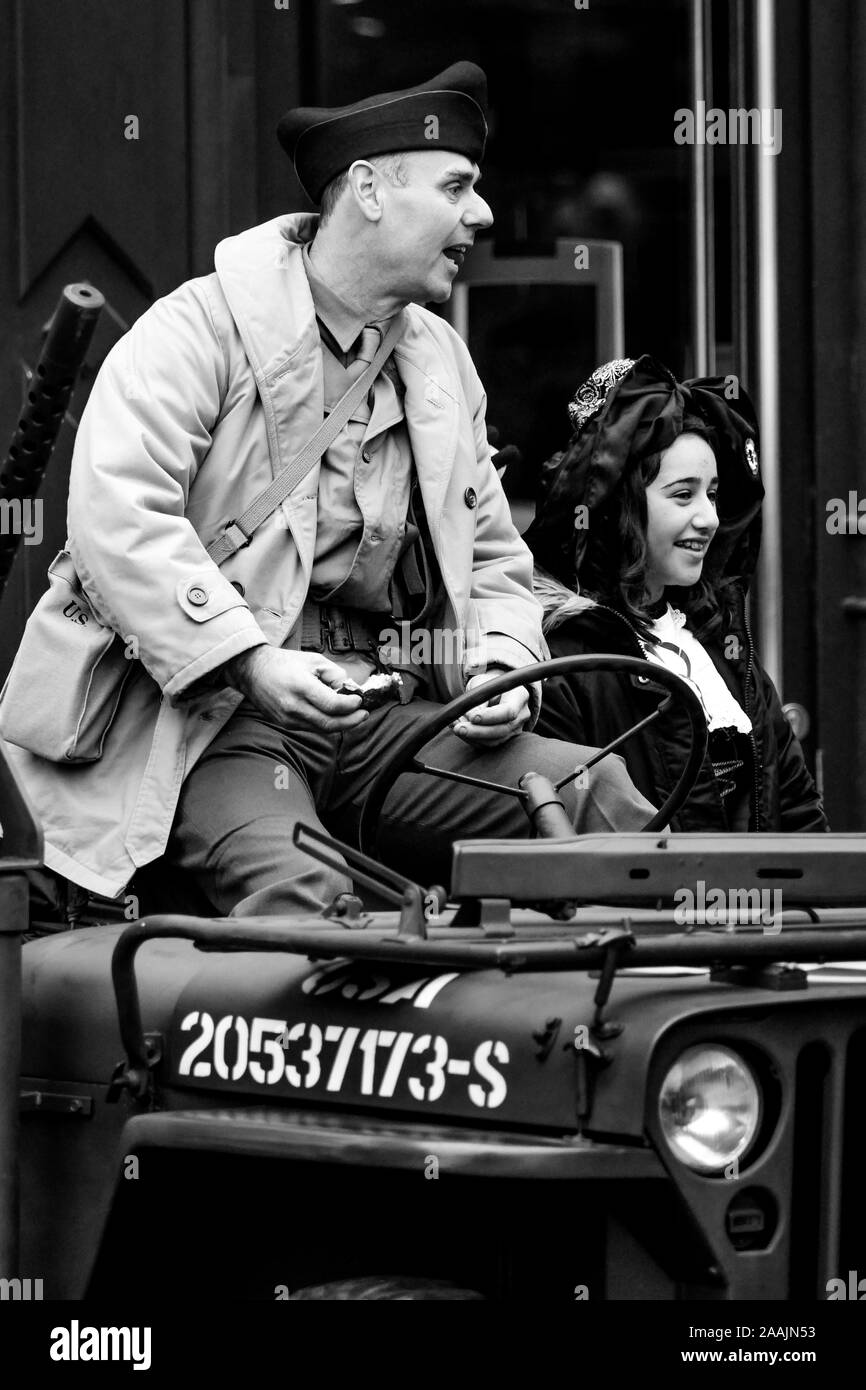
(478, 213)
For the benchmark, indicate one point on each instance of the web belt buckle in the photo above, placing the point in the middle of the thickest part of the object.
(337, 630)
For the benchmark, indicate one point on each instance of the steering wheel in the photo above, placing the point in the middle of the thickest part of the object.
(404, 759)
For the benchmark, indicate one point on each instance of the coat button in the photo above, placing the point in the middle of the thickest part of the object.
(236, 584)
(470, 498)
(365, 455)
(197, 595)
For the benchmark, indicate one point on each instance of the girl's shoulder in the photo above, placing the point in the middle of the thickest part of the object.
(590, 627)
(560, 604)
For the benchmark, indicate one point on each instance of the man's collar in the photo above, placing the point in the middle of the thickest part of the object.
(344, 323)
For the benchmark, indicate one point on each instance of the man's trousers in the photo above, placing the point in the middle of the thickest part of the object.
(241, 802)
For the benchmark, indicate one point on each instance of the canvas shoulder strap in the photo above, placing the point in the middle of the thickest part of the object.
(239, 533)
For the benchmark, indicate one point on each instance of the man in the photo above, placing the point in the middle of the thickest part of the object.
(230, 728)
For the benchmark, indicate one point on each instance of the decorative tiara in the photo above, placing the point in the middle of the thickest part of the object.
(591, 396)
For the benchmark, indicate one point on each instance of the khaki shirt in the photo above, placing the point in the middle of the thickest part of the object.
(365, 478)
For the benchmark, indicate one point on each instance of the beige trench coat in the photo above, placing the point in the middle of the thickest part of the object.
(211, 393)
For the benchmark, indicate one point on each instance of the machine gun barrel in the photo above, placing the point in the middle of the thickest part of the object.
(48, 394)
(21, 472)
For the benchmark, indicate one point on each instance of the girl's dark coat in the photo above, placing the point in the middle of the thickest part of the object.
(594, 708)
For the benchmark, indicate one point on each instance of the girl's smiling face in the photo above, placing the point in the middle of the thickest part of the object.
(681, 514)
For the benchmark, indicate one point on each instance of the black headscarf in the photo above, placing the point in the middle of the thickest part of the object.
(626, 411)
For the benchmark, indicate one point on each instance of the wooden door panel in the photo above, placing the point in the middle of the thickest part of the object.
(82, 70)
(86, 204)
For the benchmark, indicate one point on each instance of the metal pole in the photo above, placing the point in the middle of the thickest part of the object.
(460, 311)
(703, 327)
(770, 562)
(740, 206)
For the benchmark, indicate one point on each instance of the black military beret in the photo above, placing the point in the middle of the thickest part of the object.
(447, 113)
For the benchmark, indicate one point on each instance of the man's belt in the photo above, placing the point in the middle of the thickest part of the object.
(328, 627)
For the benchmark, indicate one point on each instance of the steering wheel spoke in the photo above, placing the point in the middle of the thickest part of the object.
(614, 744)
(450, 776)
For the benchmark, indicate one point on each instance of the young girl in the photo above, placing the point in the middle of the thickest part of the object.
(645, 538)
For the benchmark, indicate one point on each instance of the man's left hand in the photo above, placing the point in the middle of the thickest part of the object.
(493, 724)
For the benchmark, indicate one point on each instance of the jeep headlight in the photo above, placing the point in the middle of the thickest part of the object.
(709, 1107)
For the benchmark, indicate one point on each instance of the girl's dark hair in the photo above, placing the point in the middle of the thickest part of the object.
(613, 570)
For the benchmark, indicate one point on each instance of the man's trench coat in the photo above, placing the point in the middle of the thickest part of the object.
(212, 392)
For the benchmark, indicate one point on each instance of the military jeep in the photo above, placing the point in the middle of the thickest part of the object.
(618, 1066)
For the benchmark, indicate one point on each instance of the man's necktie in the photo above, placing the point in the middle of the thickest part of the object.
(367, 349)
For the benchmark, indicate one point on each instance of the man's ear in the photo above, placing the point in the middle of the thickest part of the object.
(365, 182)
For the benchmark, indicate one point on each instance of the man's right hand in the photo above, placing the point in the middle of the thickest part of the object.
(293, 689)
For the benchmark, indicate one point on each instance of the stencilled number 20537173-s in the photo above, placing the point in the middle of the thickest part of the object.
(307, 1056)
